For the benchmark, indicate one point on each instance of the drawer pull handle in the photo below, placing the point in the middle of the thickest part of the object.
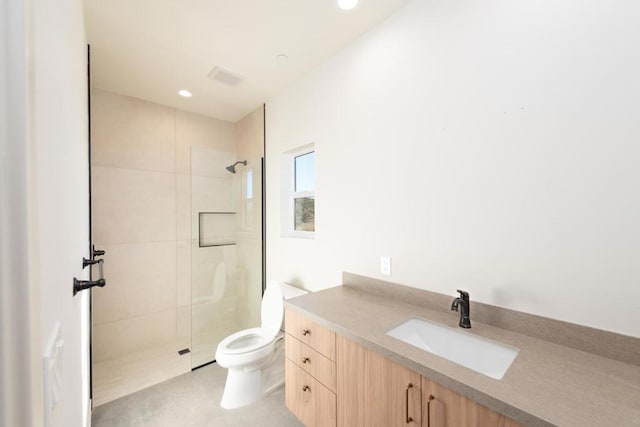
(306, 332)
(305, 388)
(408, 418)
(306, 360)
(429, 399)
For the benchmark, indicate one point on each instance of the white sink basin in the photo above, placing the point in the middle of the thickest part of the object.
(483, 355)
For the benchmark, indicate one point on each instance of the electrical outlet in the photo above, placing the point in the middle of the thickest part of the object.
(385, 265)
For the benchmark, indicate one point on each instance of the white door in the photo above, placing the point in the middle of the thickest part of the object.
(44, 214)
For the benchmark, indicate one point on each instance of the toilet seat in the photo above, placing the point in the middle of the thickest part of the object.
(246, 341)
(255, 339)
(252, 355)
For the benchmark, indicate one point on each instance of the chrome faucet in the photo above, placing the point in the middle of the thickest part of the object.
(463, 302)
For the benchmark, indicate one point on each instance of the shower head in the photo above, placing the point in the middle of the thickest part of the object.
(232, 168)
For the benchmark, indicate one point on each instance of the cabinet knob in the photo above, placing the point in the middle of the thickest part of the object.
(306, 332)
(305, 388)
(306, 360)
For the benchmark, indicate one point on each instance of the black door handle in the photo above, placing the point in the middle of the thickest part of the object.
(81, 285)
(96, 252)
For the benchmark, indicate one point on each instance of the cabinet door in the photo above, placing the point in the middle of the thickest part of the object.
(310, 401)
(374, 391)
(392, 393)
(445, 408)
(350, 362)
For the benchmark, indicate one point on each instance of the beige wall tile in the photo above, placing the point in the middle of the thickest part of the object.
(212, 322)
(133, 206)
(212, 162)
(115, 339)
(208, 273)
(141, 279)
(183, 206)
(213, 273)
(183, 276)
(184, 327)
(131, 133)
(193, 130)
(250, 134)
(210, 195)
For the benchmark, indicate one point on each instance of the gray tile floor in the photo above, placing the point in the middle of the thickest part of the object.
(191, 400)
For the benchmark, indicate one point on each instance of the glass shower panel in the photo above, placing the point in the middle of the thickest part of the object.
(249, 240)
(226, 269)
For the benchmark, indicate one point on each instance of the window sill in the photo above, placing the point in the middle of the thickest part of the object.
(309, 235)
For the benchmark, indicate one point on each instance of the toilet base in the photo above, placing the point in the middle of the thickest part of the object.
(244, 387)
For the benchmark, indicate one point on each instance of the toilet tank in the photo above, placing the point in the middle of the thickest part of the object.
(290, 291)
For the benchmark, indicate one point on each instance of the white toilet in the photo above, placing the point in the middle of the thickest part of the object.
(252, 355)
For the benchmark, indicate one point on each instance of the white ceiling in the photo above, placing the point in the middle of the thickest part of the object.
(150, 49)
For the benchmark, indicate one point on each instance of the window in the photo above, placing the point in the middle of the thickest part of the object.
(299, 185)
(304, 187)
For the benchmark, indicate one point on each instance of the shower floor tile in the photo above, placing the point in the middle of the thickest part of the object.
(124, 375)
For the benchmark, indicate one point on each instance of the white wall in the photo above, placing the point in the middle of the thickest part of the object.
(485, 145)
(60, 174)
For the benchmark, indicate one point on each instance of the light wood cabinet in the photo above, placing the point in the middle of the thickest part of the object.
(373, 390)
(445, 408)
(310, 333)
(313, 403)
(392, 393)
(311, 361)
(330, 380)
(310, 371)
(350, 374)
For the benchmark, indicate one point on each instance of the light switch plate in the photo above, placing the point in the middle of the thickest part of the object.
(385, 265)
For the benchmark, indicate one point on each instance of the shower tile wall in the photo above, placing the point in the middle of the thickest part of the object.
(141, 172)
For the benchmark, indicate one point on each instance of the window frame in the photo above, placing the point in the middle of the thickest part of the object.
(290, 195)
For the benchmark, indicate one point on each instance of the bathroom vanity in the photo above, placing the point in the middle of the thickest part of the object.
(331, 380)
(343, 368)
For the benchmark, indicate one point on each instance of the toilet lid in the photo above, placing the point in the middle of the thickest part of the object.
(272, 310)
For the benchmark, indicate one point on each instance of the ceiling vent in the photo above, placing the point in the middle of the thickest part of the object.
(226, 76)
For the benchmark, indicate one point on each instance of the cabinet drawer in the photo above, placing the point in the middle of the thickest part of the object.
(310, 401)
(310, 333)
(312, 362)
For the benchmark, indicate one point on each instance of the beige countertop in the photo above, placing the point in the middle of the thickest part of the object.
(547, 384)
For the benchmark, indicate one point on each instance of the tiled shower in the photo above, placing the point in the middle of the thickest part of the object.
(182, 235)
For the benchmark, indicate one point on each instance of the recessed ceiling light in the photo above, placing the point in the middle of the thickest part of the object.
(347, 4)
(184, 93)
(282, 58)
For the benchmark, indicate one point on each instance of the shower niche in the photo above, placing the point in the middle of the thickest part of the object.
(226, 248)
(216, 229)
